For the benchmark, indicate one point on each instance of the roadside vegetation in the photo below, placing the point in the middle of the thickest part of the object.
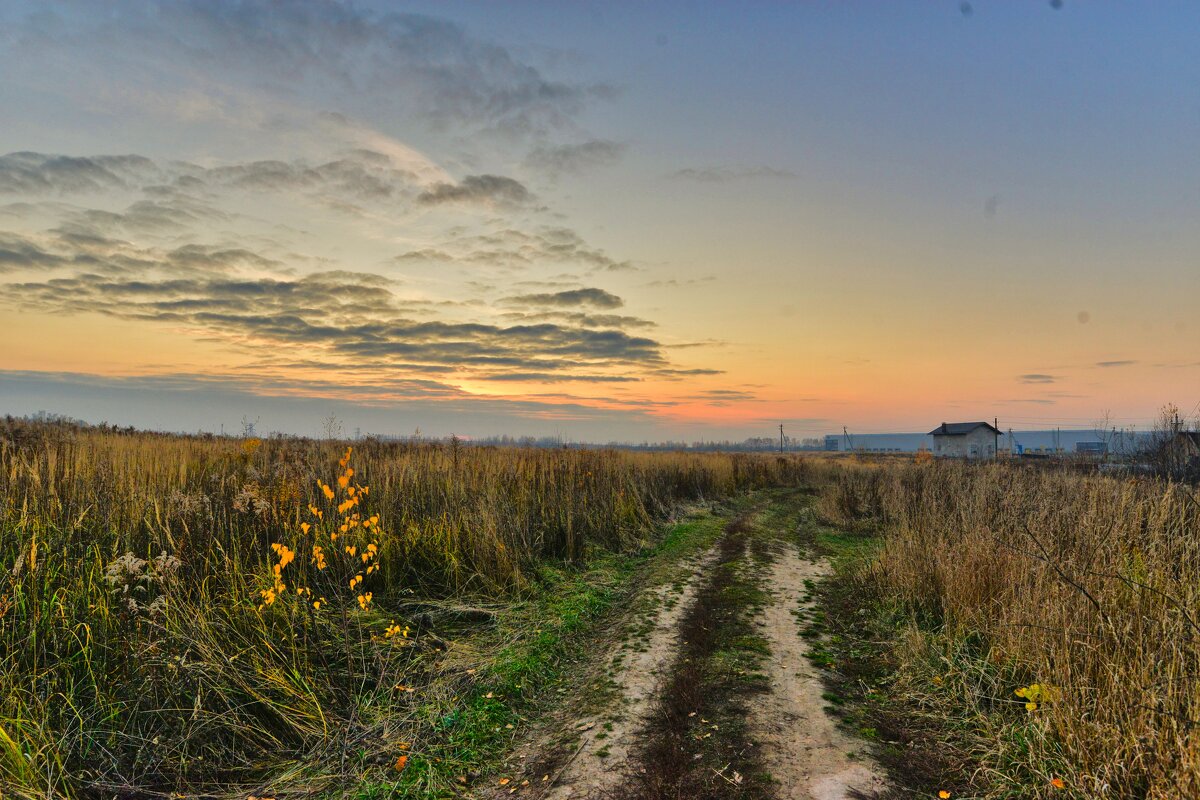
(247, 617)
(1012, 632)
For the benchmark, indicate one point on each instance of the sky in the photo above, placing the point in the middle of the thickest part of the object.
(605, 221)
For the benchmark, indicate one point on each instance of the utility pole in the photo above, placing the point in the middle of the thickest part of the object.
(996, 435)
(781, 437)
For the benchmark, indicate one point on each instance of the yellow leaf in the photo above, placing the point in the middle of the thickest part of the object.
(401, 763)
(504, 781)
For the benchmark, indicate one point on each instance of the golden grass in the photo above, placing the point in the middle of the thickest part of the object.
(1007, 577)
(138, 651)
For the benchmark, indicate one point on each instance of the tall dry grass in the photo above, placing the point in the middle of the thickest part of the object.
(1085, 584)
(134, 656)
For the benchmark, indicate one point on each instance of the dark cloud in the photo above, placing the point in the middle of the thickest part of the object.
(597, 298)
(489, 189)
(729, 174)
(1106, 364)
(687, 373)
(721, 398)
(173, 190)
(427, 255)
(18, 252)
(549, 377)
(628, 402)
(546, 345)
(421, 67)
(215, 259)
(145, 217)
(726, 394)
(584, 319)
(675, 283)
(363, 175)
(510, 248)
(1176, 364)
(100, 255)
(1036, 377)
(574, 158)
(345, 316)
(38, 173)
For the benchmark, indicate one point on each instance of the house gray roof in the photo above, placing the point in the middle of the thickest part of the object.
(960, 428)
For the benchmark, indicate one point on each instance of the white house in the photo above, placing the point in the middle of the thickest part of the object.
(964, 440)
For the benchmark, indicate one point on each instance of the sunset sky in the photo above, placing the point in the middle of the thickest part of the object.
(609, 221)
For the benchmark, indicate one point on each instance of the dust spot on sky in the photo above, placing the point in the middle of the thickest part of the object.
(1083, 317)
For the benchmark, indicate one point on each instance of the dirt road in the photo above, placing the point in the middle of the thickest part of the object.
(715, 697)
(804, 749)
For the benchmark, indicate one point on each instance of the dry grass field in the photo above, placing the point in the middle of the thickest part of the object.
(220, 617)
(1042, 626)
(191, 614)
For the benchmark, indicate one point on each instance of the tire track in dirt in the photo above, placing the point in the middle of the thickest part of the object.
(802, 745)
(604, 756)
(627, 749)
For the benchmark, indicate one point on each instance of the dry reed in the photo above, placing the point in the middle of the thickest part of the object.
(1087, 586)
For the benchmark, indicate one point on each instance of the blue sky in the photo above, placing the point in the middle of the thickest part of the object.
(608, 220)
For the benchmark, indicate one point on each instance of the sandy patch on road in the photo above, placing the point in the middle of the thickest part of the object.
(802, 746)
(639, 675)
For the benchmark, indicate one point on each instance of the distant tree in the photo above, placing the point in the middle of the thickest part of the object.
(331, 426)
(1166, 450)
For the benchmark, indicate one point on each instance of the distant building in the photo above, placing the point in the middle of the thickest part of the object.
(833, 443)
(1094, 449)
(964, 440)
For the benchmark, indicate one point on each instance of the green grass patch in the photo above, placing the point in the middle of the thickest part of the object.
(531, 662)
